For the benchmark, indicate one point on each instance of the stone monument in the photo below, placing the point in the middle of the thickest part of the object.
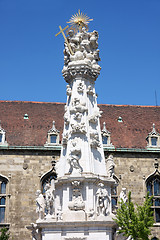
(81, 199)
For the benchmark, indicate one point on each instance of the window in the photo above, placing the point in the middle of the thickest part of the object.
(106, 137)
(3, 196)
(53, 136)
(153, 138)
(153, 187)
(114, 195)
(0, 137)
(154, 141)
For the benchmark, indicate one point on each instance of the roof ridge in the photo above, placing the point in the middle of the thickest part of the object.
(16, 101)
(117, 105)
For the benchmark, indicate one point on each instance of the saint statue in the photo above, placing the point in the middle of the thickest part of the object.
(40, 202)
(102, 200)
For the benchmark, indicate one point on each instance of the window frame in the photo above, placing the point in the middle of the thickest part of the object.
(6, 196)
(115, 196)
(153, 135)
(52, 132)
(151, 183)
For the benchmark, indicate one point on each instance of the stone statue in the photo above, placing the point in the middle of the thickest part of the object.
(49, 197)
(68, 90)
(75, 168)
(40, 203)
(77, 202)
(80, 87)
(102, 200)
(59, 214)
(84, 47)
(35, 232)
(91, 214)
(94, 139)
(123, 195)
(110, 165)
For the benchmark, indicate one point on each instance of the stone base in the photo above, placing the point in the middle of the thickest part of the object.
(74, 230)
(70, 216)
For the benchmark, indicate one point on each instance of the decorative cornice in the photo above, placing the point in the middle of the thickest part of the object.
(80, 70)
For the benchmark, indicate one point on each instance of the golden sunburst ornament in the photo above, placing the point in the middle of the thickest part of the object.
(79, 20)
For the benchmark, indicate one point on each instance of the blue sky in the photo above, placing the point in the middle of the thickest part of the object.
(31, 57)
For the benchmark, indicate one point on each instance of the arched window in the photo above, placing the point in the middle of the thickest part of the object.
(48, 179)
(153, 187)
(3, 198)
(114, 194)
(154, 238)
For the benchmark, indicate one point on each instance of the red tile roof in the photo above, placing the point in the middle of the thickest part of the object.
(131, 133)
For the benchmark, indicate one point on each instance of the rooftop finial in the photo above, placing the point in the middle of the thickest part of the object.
(104, 127)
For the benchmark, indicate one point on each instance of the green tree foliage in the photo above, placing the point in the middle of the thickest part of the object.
(135, 222)
(3, 234)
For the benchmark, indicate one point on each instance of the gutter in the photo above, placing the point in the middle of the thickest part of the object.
(59, 146)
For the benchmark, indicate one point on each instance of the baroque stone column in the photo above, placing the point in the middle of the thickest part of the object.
(82, 193)
(82, 151)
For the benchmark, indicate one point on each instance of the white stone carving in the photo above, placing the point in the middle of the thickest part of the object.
(85, 207)
(77, 201)
(59, 214)
(90, 90)
(110, 166)
(78, 128)
(123, 195)
(95, 116)
(49, 197)
(80, 88)
(78, 116)
(66, 118)
(35, 232)
(40, 203)
(75, 155)
(77, 106)
(102, 200)
(68, 90)
(3, 141)
(94, 137)
(91, 214)
(84, 46)
(65, 139)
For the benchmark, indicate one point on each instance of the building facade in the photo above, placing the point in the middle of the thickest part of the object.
(30, 144)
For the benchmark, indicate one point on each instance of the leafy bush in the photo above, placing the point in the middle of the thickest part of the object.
(4, 235)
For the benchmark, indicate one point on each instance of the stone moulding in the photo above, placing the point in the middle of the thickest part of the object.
(81, 70)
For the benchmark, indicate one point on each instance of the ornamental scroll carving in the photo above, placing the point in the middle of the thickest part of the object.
(77, 201)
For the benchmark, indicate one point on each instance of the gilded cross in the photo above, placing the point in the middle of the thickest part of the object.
(66, 40)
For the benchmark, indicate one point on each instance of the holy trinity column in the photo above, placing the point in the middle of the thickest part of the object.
(78, 203)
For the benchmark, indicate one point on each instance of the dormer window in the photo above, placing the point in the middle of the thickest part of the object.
(153, 138)
(0, 137)
(154, 141)
(3, 141)
(53, 136)
(104, 139)
(106, 136)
